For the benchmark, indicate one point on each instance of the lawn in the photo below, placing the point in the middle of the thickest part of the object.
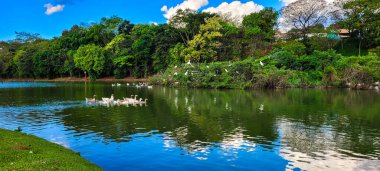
(19, 151)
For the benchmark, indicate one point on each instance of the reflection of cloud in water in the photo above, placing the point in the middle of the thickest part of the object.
(230, 146)
(235, 141)
(313, 148)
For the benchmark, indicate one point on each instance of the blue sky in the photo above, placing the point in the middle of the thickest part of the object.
(29, 15)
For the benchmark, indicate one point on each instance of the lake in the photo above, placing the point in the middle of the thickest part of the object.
(197, 129)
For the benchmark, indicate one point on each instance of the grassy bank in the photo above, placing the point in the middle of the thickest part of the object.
(19, 151)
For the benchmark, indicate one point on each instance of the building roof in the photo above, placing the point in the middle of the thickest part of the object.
(344, 31)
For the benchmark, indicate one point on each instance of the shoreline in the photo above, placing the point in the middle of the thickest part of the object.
(134, 80)
(74, 79)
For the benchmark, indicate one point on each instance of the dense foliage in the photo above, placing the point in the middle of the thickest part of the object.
(207, 50)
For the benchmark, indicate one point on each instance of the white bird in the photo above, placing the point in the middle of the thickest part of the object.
(261, 63)
(127, 84)
(91, 100)
(113, 85)
(111, 98)
(118, 84)
(187, 72)
(150, 87)
(141, 101)
(189, 62)
(129, 99)
(261, 107)
(108, 100)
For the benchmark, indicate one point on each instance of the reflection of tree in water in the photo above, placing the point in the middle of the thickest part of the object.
(206, 116)
(322, 148)
(198, 119)
(331, 119)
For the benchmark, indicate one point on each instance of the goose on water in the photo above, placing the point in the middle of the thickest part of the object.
(91, 100)
(109, 100)
(141, 101)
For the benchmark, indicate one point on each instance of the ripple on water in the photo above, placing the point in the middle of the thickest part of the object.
(34, 116)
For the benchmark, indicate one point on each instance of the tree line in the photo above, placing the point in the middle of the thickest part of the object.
(116, 47)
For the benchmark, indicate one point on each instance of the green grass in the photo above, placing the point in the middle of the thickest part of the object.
(20, 151)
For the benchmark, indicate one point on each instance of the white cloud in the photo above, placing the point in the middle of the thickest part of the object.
(153, 23)
(236, 10)
(187, 4)
(50, 9)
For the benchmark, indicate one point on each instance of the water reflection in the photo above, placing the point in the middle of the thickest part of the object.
(205, 129)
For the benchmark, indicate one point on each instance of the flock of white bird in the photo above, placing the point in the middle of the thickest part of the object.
(137, 85)
(111, 101)
(125, 101)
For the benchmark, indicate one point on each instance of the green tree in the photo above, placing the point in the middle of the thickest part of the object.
(176, 54)
(142, 49)
(261, 24)
(90, 58)
(119, 52)
(165, 39)
(187, 23)
(206, 44)
(363, 18)
(259, 31)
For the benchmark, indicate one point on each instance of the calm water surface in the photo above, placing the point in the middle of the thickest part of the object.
(183, 129)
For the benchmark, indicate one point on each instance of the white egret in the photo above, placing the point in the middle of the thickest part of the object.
(261, 63)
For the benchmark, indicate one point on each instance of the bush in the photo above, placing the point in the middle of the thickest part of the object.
(359, 69)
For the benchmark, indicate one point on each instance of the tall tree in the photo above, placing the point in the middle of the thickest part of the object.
(118, 51)
(165, 39)
(90, 58)
(258, 30)
(206, 44)
(303, 14)
(143, 48)
(363, 17)
(188, 22)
